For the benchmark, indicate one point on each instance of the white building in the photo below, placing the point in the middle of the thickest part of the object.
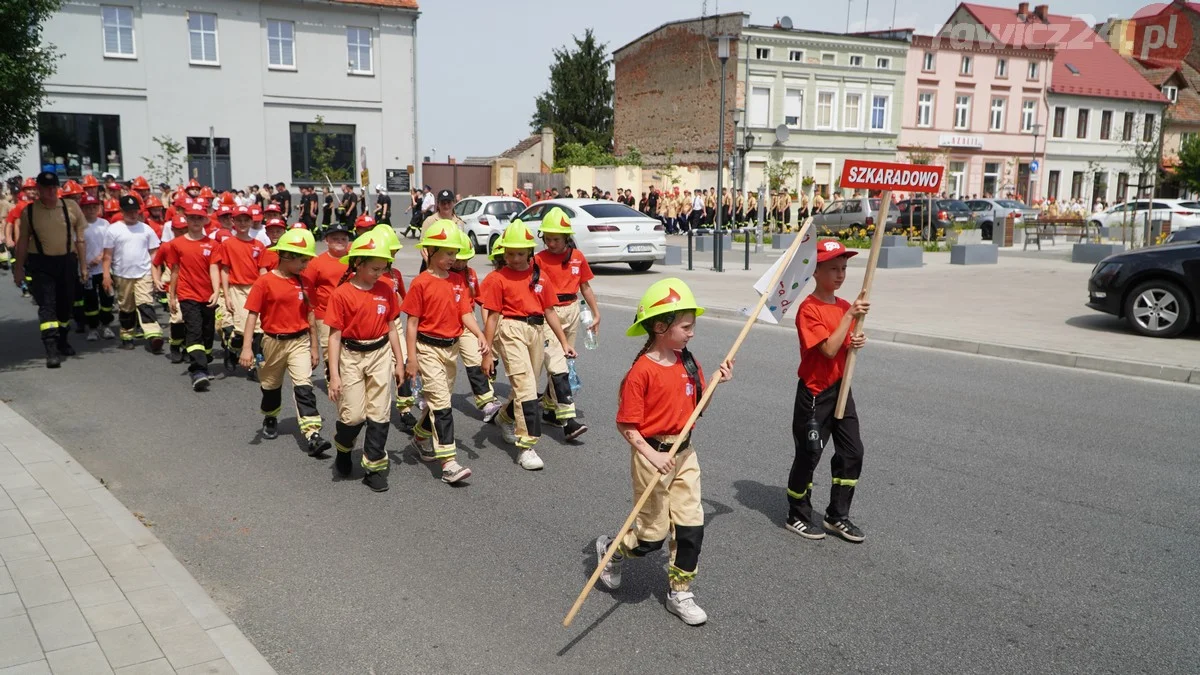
(257, 72)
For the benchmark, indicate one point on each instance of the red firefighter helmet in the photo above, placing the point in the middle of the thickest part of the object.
(71, 188)
(140, 183)
(89, 181)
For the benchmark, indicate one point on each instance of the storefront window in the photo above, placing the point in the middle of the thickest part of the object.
(338, 138)
(74, 145)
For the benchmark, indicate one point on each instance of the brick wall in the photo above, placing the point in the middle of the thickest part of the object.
(667, 89)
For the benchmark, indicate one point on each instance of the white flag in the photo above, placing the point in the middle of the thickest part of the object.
(791, 283)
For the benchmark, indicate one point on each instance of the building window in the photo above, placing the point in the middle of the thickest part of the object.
(793, 108)
(1148, 128)
(1028, 116)
(118, 30)
(1106, 125)
(825, 109)
(879, 112)
(1060, 121)
(1081, 123)
(337, 137)
(202, 35)
(760, 106)
(762, 53)
(1171, 92)
(851, 112)
(1185, 137)
(965, 67)
(358, 42)
(1077, 185)
(828, 58)
(883, 63)
(998, 105)
(1001, 67)
(199, 165)
(962, 111)
(1127, 128)
(925, 109)
(281, 44)
(76, 145)
(991, 178)
(1032, 73)
(796, 55)
(957, 173)
(1052, 185)
(928, 62)
(856, 61)
(1122, 186)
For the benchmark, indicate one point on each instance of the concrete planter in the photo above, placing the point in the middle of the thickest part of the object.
(894, 240)
(974, 254)
(898, 257)
(782, 241)
(964, 237)
(1094, 253)
(705, 244)
(673, 255)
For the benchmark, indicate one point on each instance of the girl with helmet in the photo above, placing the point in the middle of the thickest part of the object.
(569, 273)
(289, 344)
(520, 301)
(405, 400)
(467, 282)
(657, 396)
(364, 356)
(437, 316)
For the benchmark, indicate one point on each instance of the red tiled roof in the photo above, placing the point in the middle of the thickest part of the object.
(522, 146)
(398, 4)
(1102, 71)
(1154, 74)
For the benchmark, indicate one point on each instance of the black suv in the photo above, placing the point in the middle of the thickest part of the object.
(1155, 289)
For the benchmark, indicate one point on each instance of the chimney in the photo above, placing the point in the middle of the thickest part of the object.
(1042, 12)
(1022, 10)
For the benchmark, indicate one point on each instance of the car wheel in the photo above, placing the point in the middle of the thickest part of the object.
(1158, 309)
(985, 230)
(474, 242)
(641, 265)
(492, 242)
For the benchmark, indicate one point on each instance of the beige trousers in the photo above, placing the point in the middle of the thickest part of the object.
(132, 294)
(366, 385)
(522, 349)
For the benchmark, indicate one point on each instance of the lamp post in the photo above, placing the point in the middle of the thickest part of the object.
(746, 146)
(723, 55)
(1037, 129)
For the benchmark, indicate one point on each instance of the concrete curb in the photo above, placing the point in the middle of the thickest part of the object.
(1154, 371)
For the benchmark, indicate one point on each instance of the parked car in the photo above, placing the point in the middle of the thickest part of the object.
(1186, 234)
(988, 212)
(606, 232)
(844, 214)
(1155, 289)
(947, 213)
(484, 218)
(1181, 213)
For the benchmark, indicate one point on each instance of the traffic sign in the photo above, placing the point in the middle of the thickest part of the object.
(865, 175)
(1033, 166)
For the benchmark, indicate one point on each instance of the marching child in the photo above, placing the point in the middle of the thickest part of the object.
(826, 325)
(437, 315)
(364, 357)
(162, 280)
(289, 344)
(520, 302)
(241, 265)
(467, 282)
(569, 273)
(405, 400)
(129, 247)
(321, 276)
(657, 396)
(195, 278)
(97, 303)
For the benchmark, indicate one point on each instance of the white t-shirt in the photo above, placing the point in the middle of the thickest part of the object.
(93, 237)
(260, 234)
(427, 202)
(131, 246)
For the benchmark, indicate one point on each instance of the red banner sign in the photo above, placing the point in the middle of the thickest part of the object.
(860, 174)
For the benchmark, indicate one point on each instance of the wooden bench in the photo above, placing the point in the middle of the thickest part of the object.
(1051, 227)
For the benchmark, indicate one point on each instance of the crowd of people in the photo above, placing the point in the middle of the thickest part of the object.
(246, 277)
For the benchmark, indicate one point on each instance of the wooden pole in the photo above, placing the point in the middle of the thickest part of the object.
(691, 421)
(872, 261)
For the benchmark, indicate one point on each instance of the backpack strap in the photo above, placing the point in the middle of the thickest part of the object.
(693, 371)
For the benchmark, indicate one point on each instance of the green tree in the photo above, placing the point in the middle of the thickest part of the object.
(1187, 169)
(579, 154)
(578, 106)
(167, 166)
(322, 156)
(25, 64)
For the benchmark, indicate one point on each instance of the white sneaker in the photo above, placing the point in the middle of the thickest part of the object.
(611, 576)
(529, 460)
(92, 336)
(683, 605)
(107, 333)
(453, 472)
(490, 409)
(508, 431)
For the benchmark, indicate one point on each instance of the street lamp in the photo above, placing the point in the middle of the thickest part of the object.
(723, 55)
(1037, 129)
(744, 148)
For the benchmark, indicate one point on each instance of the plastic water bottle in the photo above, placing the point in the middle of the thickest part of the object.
(590, 339)
(573, 377)
(416, 392)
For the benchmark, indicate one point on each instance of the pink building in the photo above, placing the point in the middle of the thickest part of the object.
(975, 108)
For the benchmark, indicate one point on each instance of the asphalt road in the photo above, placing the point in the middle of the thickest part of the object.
(1020, 518)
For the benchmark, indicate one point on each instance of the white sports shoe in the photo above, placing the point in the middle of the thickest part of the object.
(92, 336)
(508, 431)
(107, 333)
(529, 460)
(683, 605)
(611, 576)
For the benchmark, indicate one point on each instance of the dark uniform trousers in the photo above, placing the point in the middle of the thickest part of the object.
(199, 320)
(53, 279)
(846, 464)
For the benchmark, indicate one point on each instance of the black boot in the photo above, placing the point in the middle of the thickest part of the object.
(53, 360)
(65, 347)
(343, 464)
(376, 481)
(317, 445)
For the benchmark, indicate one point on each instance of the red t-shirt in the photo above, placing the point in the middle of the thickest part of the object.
(242, 259)
(193, 258)
(160, 256)
(156, 226)
(439, 307)
(657, 398)
(280, 303)
(363, 315)
(467, 281)
(269, 260)
(321, 276)
(396, 279)
(815, 322)
(508, 292)
(566, 272)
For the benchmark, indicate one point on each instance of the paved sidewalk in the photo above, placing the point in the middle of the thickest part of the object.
(85, 587)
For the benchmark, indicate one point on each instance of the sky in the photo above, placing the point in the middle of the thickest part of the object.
(482, 63)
